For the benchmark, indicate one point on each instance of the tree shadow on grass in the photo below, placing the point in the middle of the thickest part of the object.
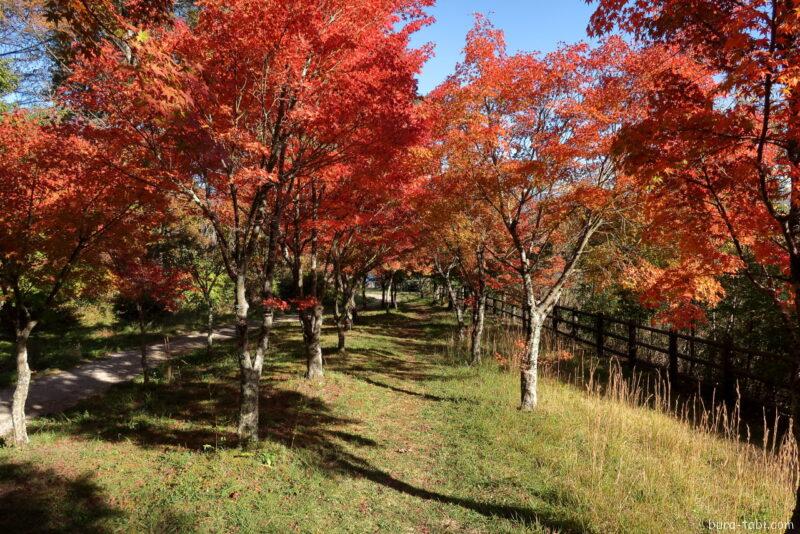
(300, 422)
(33, 499)
(307, 423)
(362, 361)
(396, 389)
(193, 411)
(199, 408)
(357, 467)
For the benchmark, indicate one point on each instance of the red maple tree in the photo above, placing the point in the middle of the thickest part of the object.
(532, 135)
(60, 210)
(231, 113)
(144, 282)
(719, 150)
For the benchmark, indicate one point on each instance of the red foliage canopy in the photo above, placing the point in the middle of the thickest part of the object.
(58, 205)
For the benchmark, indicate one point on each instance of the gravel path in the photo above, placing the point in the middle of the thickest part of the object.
(64, 389)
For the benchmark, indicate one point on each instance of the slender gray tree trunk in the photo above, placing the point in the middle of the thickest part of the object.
(23, 384)
(344, 318)
(342, 334)
(390, 289)
(143, 343)
(312, 328)
(462, 325)
(249, 371)
(529, 373)
(339, 312)
(478, 319)
(364, 293)
(351, 310)
(210, 328)
(529, 368)
(458, 310)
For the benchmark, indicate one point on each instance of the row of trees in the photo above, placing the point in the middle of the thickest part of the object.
(278, 123)
(677, 155)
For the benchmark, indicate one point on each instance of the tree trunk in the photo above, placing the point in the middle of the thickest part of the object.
(459, 311)
(339, 307)
(22, 385)
(344, 321)
(249, 379)
(387, 303)
(143, 343)
(342, 333)
(312, 327)
(529, 370)
(249, 373)
(364, 294)
(210, 328)
(394, 292)
(462, 326)
(529, 373)
(351, 310)
(478, 316)
(252, 379)
(794, 522)
(383, 293)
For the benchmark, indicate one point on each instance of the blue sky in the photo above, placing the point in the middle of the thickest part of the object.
(528, 24)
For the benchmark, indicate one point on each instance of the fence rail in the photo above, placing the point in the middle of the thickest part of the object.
(710, 364)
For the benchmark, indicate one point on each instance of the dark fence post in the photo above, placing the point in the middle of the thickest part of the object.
(600, 335)
(723, 375)
(633, 346)
(728, 380)
(673, 356)
(555, 319)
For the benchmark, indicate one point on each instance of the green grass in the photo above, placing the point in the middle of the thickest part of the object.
(397, 438)
(83, 334)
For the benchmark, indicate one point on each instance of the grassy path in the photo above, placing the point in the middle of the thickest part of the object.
(395, 439)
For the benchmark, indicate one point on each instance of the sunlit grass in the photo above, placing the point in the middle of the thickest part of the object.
(399, 437)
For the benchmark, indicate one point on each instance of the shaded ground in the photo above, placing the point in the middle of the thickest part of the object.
(397, 438)
(59, 390)
(70, 336)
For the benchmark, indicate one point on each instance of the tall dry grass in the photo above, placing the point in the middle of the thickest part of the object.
(722, 463)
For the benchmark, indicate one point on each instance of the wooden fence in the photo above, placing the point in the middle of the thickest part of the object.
(760, 377)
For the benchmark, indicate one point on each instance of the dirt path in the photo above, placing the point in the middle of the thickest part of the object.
(63, 389)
